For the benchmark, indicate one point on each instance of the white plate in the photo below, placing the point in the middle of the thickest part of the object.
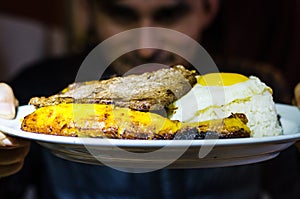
(155, 154)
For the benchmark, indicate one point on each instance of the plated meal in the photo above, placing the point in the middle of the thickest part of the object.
(166, 104)
(174, 111)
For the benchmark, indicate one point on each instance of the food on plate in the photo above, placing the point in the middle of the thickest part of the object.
(99, 120)
(217, 95)
(173, 103)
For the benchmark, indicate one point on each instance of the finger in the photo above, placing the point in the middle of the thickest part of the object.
(8, 170)
(9, 141)
(297, 94)
(8, 102)
(12, 156)
(4, 141)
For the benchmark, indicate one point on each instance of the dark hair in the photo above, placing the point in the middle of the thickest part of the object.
(104, 2)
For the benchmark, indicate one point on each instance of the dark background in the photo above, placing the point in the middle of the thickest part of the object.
(266, 31)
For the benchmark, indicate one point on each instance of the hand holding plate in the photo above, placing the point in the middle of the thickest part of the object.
(12, 150)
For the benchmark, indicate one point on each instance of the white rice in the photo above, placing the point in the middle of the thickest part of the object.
(259, 109)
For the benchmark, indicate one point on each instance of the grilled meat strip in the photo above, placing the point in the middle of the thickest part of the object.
(148, 91)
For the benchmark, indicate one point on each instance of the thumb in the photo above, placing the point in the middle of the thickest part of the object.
(8, 102)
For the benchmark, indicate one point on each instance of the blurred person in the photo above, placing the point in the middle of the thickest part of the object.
(57, 178)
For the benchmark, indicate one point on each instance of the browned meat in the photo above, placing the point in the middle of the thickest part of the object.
(149, 91)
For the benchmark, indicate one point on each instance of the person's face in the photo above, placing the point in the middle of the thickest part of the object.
(186, 16)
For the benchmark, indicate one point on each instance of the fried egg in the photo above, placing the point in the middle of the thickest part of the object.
(217, 95)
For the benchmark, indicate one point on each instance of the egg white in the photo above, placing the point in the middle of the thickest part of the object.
(251, 97)
(200, 98)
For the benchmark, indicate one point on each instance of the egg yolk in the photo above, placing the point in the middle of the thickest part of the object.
(221, 79)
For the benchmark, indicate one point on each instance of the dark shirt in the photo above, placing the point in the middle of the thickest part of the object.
(54, 177)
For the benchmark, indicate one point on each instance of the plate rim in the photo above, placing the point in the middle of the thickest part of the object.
(54, 139)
